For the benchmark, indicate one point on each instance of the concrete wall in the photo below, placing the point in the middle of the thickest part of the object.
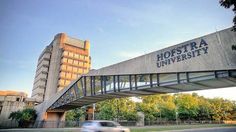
(53, 74)
(10, 104)
(210, 52)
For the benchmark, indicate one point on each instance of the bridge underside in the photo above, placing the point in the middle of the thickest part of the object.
(92, 89)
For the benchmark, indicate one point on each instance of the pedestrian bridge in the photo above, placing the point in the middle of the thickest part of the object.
(207, 62)
(91, 89)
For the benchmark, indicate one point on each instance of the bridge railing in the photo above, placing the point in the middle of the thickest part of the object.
(87, 86)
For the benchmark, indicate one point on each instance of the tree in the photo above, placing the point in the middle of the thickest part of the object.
(187, 106)
(24, 117)
(120, 108)
(151, 107)
(168, 107)
(204, 109)
(75, 114)
(222, 109)
(16, 115)
(228, 4)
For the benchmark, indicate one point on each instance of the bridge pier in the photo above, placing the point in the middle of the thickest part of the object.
(54, 120)
(89, 113)
(49, 119)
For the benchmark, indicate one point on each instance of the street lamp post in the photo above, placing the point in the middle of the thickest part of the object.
(176, 117)
(94, 106)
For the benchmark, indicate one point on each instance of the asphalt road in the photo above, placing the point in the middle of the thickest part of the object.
(215, 129)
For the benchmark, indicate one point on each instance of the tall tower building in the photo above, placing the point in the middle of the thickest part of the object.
(61, 62)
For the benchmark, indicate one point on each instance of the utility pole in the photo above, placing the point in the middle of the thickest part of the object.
(94, 106)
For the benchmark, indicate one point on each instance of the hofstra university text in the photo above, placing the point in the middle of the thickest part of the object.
(181, 53)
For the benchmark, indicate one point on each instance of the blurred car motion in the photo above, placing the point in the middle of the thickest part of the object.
(103, 126)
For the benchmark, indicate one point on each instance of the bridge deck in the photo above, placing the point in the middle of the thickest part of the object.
(90, 89)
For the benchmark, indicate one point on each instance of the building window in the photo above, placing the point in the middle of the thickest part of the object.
(64, 60)
(62, 74)
(70, 61)
(17, 99)
(67, 82)
(73, 76)
(63, 67)
(0, 110)
(65, 53)
(80, 70)
(76, 62)
(75, 69)
(80, 63)
(71, 54)
(68, 75)
(62, 82)
(81, 57)
(76, 56)
(69, 68)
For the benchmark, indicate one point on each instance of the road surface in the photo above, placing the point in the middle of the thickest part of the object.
(215, 129)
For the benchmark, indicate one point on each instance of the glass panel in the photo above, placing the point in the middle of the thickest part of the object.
(116, 83)
(154, 80)
(183, 78)
(168, 79)
(109, 83)
(133, 82)
(201, 76)
(222, 73)
(88, 86)
(80, 85)
(124, 82)
(143, 80)
(97, 85)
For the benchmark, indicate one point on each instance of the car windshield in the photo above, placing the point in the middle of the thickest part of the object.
(109, 124)
(87, 124)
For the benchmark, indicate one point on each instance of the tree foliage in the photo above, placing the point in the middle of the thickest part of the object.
(165, 107)
(75, 114)
(24, 117)
(229, 4)
(120, 109)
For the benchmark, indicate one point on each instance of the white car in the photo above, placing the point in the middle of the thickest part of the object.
(103, 126)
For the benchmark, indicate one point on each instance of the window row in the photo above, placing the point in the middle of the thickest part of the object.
(75, 55)
(63, 82)
(68, 75)
(74, 62)
(74, 69)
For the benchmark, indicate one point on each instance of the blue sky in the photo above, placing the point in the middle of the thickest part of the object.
(117, 30)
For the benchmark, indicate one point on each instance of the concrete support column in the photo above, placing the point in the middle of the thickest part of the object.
(54, 120)
(89, 113)
(140, 121)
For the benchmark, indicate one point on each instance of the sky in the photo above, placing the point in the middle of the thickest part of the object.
(117, 31)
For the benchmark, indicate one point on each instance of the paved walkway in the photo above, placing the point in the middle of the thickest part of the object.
(215, 129)
(201, 129)
(41, 130)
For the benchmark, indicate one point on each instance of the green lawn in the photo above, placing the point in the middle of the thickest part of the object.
(175, 127)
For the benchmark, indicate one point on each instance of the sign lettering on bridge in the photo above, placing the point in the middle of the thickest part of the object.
(181, 53)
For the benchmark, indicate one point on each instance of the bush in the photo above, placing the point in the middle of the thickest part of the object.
(25, 117)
